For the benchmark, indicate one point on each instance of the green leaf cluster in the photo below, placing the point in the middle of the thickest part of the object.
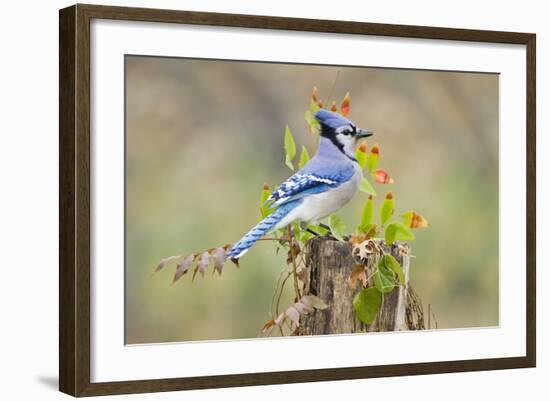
(366, 187)
(397, 231)
(290, 148)
(393, 230)
(361, 157)
(309, 116)
(304, 157)
(265, 209)
(337, 227)
(368, 301)
(372, 161)
(386, 210)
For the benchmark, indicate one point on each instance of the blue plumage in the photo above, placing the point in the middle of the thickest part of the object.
(299, 185)
(327, 182)
(260, 229)
(332, 120)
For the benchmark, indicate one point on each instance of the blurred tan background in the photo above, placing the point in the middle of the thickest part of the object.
(203, 136)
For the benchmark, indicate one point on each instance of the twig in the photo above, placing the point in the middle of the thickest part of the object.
(280, 294)
(273, 239)
(380, 323)
(294, 269)
(309, 230)
(281, 330)
(333, 86)
(276, 290)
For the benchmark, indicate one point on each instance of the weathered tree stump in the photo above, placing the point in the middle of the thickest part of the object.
(329, 264)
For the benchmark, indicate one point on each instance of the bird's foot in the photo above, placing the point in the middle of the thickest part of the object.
(328, 234)
(305, 227)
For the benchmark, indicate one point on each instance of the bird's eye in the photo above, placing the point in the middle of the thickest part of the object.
(345, 130)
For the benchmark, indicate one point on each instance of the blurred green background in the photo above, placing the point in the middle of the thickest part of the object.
(202, 136)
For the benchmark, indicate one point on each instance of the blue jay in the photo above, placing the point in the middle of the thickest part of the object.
(325, 184)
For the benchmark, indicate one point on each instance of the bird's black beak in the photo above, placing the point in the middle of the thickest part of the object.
(361, 133)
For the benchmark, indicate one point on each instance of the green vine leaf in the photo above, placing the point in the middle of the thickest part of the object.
(309, 114)
(301, 235)
(403, 233)
(361, 155)
(366, 187)
(368, 211)
(297, 231)
(386, 209)
(392, 263)
(384, 277)
(367, 304)
(390, 233)
(397, 231)
(290, 148)
(304, 157)
(265, 210)
(337, 227)
(372, 159)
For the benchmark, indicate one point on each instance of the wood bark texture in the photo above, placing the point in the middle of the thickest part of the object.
(329, 266)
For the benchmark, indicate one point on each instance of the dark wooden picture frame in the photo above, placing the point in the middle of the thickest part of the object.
(74, 199)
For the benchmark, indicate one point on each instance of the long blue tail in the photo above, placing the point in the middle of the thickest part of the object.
(260, 229)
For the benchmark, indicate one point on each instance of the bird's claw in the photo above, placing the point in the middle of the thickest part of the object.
(329, 234)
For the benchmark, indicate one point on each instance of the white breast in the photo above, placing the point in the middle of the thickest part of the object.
(316, 207)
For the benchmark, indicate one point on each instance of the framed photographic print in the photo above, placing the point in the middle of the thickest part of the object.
(250, 200)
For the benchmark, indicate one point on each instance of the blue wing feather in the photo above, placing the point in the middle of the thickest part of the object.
(304, 183)
(327, 170)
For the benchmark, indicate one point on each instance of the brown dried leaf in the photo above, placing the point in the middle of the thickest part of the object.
(358, 273)
(418, 221)
(268, 325)
(218, 255)
(303, 308)
(345, 107)
(314, 97)
(363, 251)
(371, 232)
(302, 274)
(280, 319)
(357, 238)
(165, 261)
(182, 268)
(204, 261)
(195, 271)
(293, 314)
(293, 252)
(313, 301)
